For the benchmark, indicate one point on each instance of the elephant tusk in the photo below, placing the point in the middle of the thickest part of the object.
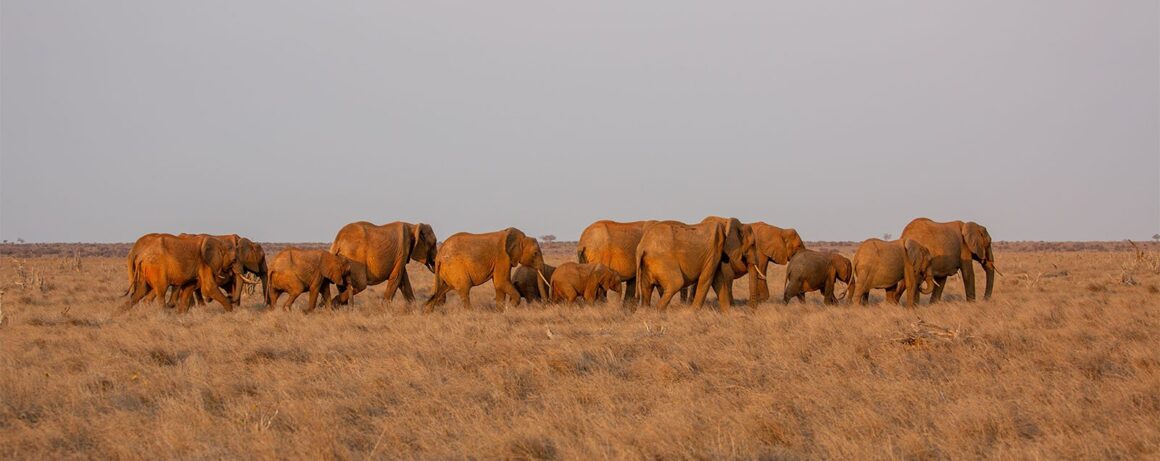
(251, 280)
(760, 275)
(545, 279)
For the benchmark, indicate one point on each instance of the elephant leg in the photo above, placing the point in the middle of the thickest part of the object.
(312, 296)
(629, 290)
(704, 284)
(723, 285)
(666, 298)
(939, 284)
(439, 296)
(274, 294)
(292, 296)
(394, 280)
(464, 293)
(645, 294)
(405, 286)
(968, 271)
(324, 294)
(894, 293)
(791, 290)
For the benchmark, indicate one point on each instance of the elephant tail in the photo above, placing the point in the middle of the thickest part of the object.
(268, 288)
(580, 257)
(131, 261)
(134, 274)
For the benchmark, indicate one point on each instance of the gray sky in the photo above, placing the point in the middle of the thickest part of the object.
(285, 120)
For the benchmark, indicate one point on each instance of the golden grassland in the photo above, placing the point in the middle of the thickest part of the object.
(1063, 363)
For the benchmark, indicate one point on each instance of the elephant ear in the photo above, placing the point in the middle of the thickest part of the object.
(916, 255)
(416, 237)
(976, 238)
(514, 244)
(211, 252)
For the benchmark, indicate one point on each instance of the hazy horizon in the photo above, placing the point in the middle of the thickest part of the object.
(283, 121)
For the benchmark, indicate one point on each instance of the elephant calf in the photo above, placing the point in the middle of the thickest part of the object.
(897, 266)
(811, 270)
(469, 260)
(592, 281)
(295, 271)
(527, 281)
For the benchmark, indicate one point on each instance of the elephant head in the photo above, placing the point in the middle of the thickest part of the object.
(781, 245)
(917, 270)
(217, 257)
(423, 245)
(737, 250)
(252, 259)
(524, 250)
(978, 241)
(605, 280)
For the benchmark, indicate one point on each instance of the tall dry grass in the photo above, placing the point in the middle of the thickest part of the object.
(1064, 363)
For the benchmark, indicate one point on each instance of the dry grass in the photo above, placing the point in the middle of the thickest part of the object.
(1064, 363)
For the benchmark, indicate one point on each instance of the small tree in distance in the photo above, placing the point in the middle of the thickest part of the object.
(548, 238)
(1156, 238)
(887, 237)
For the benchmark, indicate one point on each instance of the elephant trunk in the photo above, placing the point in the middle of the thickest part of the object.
(989, 267)
(264, 275)
(928, 284)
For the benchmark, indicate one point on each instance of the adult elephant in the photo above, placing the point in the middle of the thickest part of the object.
(775, 244)
(953, 245)
(613, 244)
(161, 261)
(736, 268)
(252, 260)
(673, 255)
(469, 260)
(384, 251)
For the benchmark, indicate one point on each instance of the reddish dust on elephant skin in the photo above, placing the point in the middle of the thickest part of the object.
(1050, 368)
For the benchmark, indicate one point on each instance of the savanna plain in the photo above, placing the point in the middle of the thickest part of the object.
(1063, 362)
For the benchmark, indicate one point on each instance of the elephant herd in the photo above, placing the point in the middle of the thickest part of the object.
(631, 258)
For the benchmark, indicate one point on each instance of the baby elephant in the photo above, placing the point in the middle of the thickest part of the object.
(592, 281)
(897, 266)
(295, 270)
(810, 270)
(524, 278)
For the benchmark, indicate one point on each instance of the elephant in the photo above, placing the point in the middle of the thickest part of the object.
(160, 261)
(469, 260)
(592, 281)
(898, 266)
(736, 269)
(527, 281)
(384, 251)
(613, 244)
(673, 255)
(772, 244)
(252, 259)
(295, 270)
(810, 270)
(953, 245)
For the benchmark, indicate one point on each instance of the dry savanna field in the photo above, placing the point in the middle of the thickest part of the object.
(1064, 362)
